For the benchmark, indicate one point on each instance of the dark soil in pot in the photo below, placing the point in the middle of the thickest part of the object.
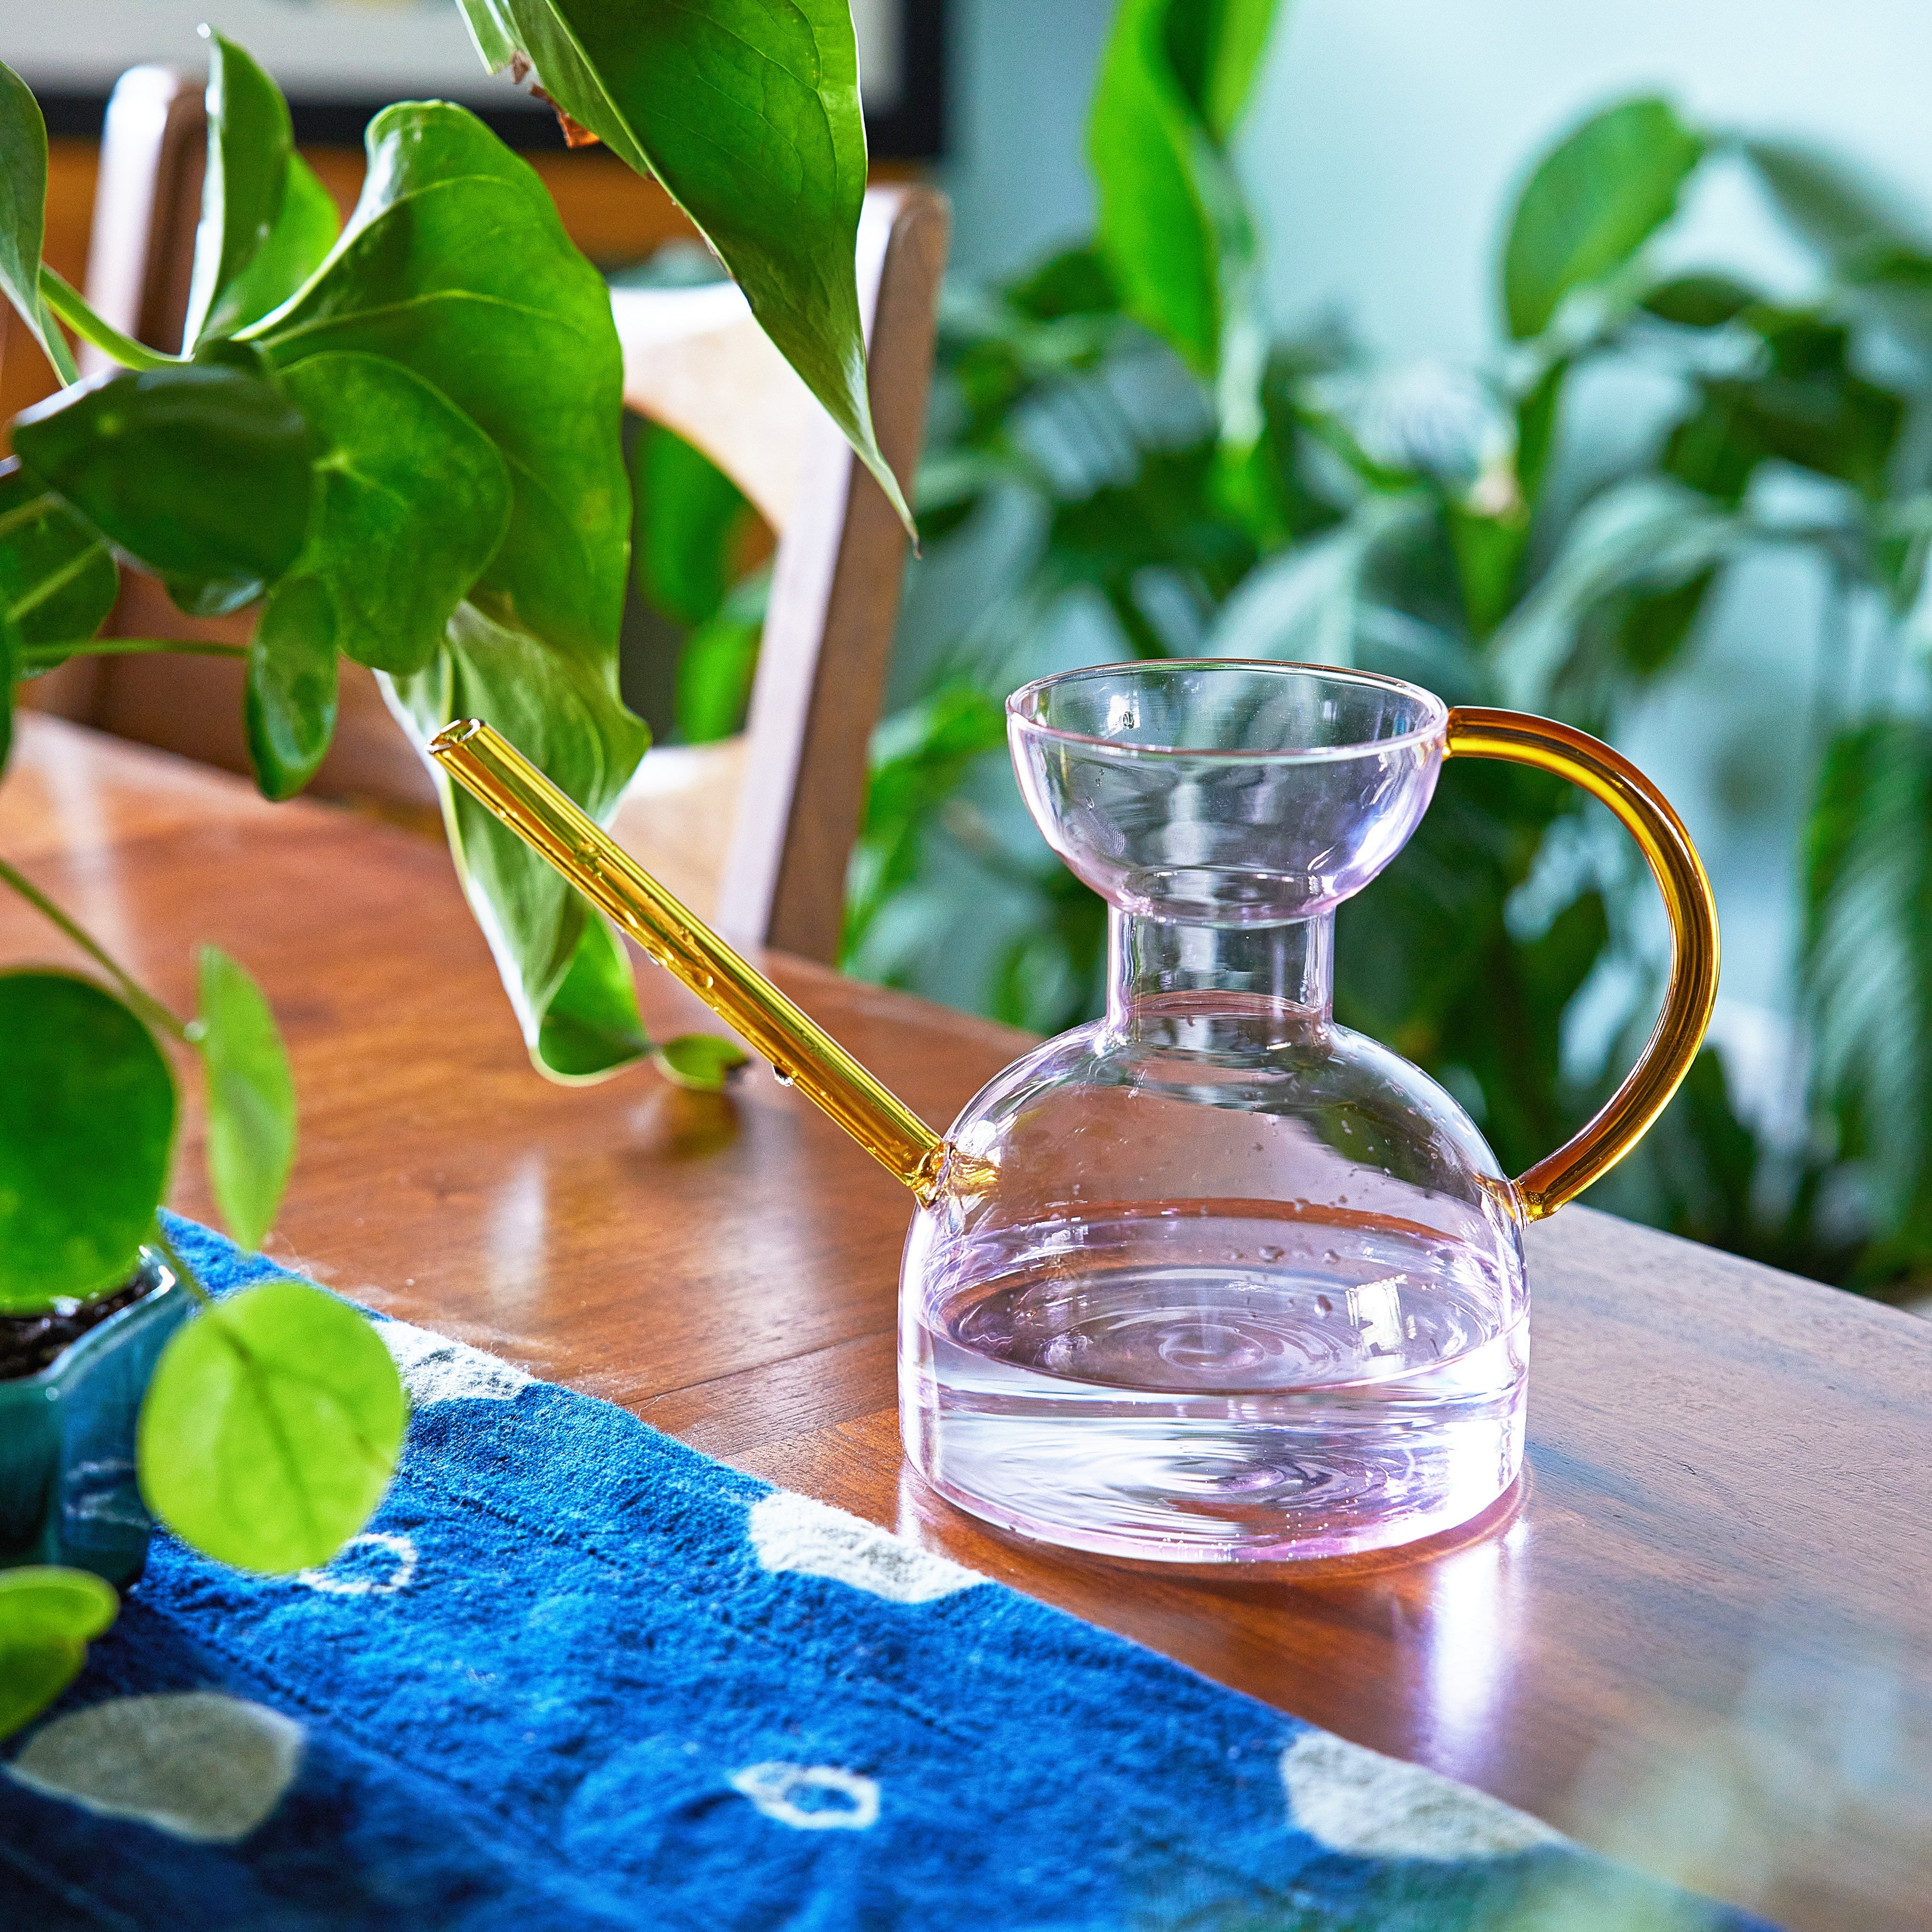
(29, 1343)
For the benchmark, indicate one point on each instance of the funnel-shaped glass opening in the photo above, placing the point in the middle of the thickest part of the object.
(1214, 791)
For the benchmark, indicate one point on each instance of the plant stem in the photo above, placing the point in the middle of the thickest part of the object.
(68, 303)
(183, 1273)
(48, 657)
(143, 1002)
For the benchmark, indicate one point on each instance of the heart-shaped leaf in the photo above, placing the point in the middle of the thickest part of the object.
(565, 716)
(251, 1098)
(296, 246)
(272, 1428)
(87, 1125)
(23, 213)
(455, 265)
(48, 1617)
(249, 143)
(748, 112)
(58, 581)
(1593, 201)
(412, 501)
(135, 453)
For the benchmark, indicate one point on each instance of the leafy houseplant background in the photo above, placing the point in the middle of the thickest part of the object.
(1123, 461)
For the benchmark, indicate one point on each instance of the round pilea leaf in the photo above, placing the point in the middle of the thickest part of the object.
(47, 1617)
(87, 1128)
(272, 1428)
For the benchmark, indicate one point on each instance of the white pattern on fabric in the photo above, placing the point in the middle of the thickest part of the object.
(399, 1578)
(775, 1789)
(1353, 1800)
(794, 1533)
(203, 1766)
(435, 1368)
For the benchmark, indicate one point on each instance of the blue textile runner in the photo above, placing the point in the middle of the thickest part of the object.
(577, 1675)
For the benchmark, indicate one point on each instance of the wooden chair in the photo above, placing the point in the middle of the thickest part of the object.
(755, 832)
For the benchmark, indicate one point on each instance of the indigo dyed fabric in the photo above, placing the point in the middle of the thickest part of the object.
(577, 1675)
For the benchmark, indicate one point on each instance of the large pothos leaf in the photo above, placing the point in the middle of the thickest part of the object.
(455, 266)
(412, 500)
(250, 140)
(297, 245)
(1593, 201)
(1867, 964)
(566, 977)
(136, 452)
(23, 211)
(58, 581)
(748, 112)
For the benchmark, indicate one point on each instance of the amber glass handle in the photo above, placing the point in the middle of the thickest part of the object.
(1522, 739)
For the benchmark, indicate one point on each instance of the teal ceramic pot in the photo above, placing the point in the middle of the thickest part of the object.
(68, 1492)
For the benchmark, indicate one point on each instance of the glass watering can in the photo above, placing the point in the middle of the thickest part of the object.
(1211, 1279)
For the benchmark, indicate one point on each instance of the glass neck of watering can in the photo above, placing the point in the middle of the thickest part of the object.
(1219, 988)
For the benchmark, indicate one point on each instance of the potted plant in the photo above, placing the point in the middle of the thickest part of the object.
(264, 1428)
(399, 442)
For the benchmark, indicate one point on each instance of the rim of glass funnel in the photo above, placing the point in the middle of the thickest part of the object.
(1436, 713)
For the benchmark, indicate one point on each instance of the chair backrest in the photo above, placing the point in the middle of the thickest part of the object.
(757, 832)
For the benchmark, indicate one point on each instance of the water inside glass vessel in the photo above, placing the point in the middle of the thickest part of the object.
(1201, 1385)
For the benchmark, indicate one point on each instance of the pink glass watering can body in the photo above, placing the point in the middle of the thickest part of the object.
(1232, 1281)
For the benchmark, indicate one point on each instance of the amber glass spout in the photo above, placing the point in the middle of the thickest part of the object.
(802, 1053)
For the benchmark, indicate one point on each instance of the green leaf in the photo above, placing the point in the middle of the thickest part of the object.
(591, 1026)
(565, 716)
(1843, 217)
(249, 143)
(298, 244)
(1215, 48)
(718, 663)
(1593, 200)
(48, 1617)
(1866, 961)
(412, 502)
(701, 1061)
(1647, 535)
(272, 1428)
(1808, 407)
(689, 517)
(87, 1127)
(200, 472)
(1699, 302)
(748, 112)
(289, 702)
(455, 265)
(58, 579)
(23, 209)
(1171, 224)
(251, 1099)
(10, 671)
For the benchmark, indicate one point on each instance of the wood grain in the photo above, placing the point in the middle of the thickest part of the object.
(1701, 1639)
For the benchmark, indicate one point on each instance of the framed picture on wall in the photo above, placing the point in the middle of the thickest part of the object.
(338, 60)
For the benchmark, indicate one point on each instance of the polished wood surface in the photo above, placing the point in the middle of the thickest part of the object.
(1701, 1639)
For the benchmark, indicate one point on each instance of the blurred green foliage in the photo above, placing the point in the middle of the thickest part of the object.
(1121, 463)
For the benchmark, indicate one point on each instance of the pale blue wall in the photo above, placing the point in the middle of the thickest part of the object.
(1386, 139)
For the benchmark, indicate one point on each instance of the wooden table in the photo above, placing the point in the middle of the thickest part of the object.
(1702, 1641)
